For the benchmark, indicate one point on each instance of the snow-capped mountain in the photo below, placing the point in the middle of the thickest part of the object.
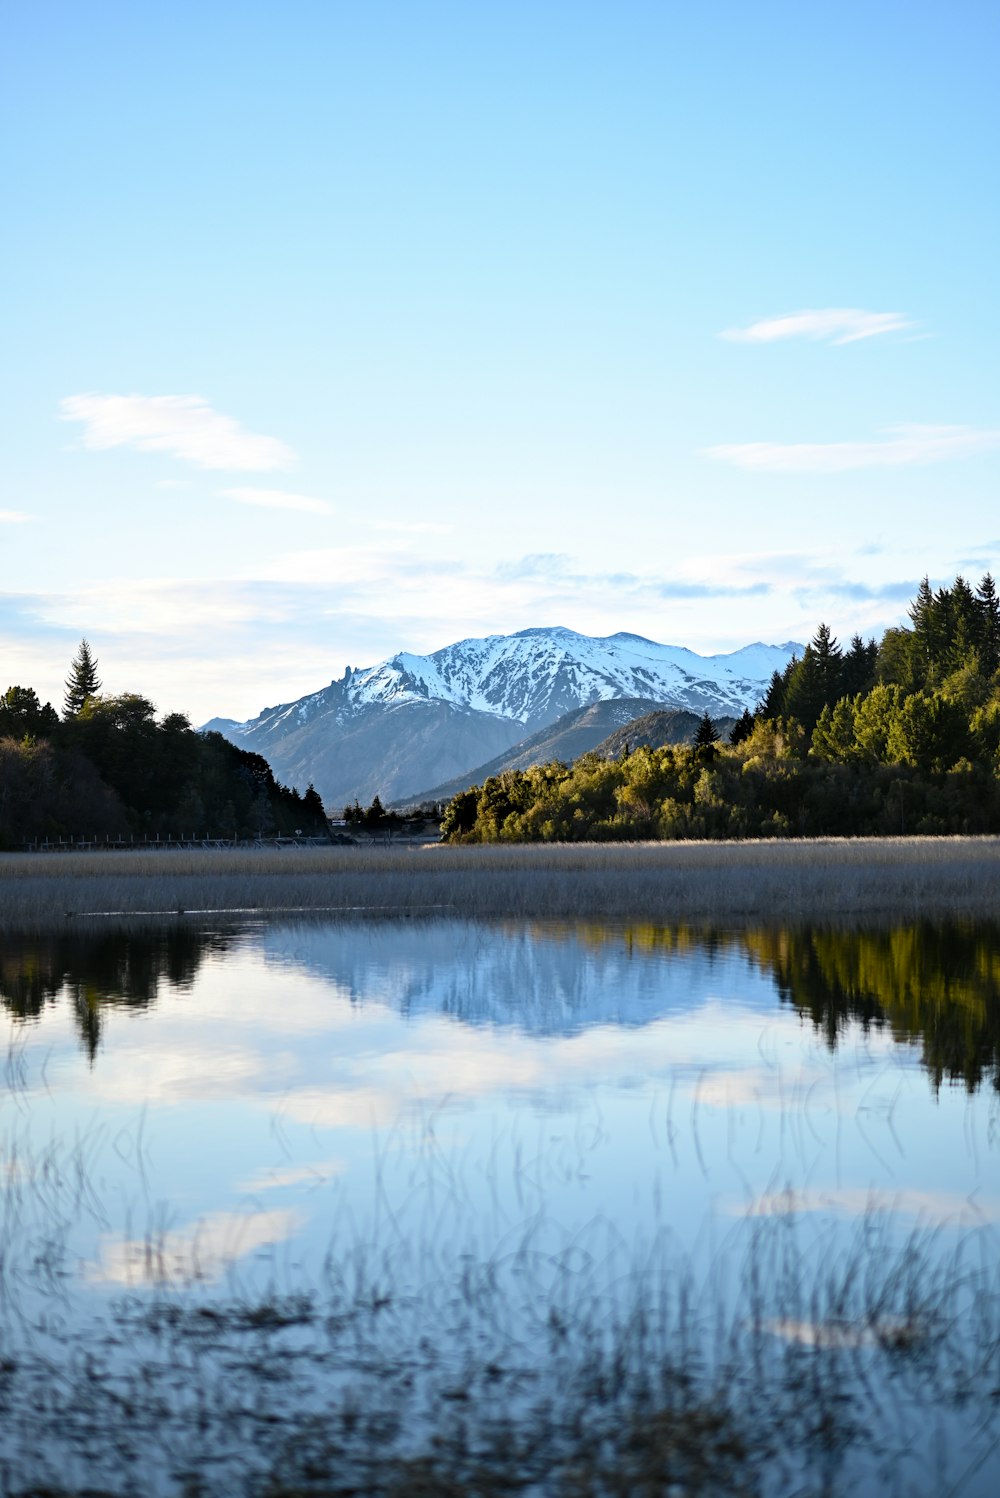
(418, 720)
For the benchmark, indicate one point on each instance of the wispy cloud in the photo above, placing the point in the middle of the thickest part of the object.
(822, 324)
(560, 571)
(855, 1201)
(200, 1251)
(279, 499)
(13, 517)
(229, 644)
(185, 426)
(898, 447)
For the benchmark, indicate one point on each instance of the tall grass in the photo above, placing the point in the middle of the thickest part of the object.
(555, 1365)
(710, 881)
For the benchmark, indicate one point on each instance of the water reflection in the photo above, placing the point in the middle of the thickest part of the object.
(936, 985)
(390, 1161)
(931, 984)
(99, 967)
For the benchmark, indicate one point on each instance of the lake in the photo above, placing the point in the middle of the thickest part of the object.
(331, 1206)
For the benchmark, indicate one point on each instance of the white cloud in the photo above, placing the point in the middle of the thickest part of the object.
(318, 1173)
(834, 1334)
(13, 517)
(229, 644)
(279, 499)
(829, 324)
(938, 1207)
(183, 425)
(201, 1251)
(899, 447)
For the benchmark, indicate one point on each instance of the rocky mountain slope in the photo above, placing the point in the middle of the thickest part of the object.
(631, 720)
(656, 728)
(415, 721)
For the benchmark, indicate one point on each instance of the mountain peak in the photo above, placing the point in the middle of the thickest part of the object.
(415, 720)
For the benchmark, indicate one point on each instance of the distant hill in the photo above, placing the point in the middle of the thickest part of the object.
(653, 730)
(416, 721)
(634, 721)
(567, 738)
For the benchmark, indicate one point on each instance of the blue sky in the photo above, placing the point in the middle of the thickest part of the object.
(331, 329)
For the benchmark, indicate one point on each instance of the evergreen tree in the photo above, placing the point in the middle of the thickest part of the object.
(804, 699)
(742, 728)
(922, 616)
(816, 681)
(965, 625)
(857, 671)
(901, 660)
(82, 681)
(942, 627)
(706, 735)
(375, 815)
(773, 702)
(988, 608)
(313, 810)
(829, 664)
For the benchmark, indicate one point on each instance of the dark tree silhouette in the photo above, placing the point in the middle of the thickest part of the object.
(742, 728)
(82, 681)
(706, 735)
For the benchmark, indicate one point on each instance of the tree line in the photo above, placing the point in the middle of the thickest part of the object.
(897, 737)
(108, 767)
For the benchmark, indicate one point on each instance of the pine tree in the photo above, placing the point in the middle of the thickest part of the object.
(742, 728)
(921, 610)
(928, 613)
(82, 681)
(829, 663)
(857, 670)
(816, 681)
(942, 634)
(313, 809)
(988, 607)
(966, 624)
(706, 735)
(375, 815)
(772, 704)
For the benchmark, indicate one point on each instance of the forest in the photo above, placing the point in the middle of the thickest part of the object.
(897, 738)
(109, 768)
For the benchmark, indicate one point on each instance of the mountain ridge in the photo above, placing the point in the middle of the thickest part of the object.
(602, 728)
(417, 720)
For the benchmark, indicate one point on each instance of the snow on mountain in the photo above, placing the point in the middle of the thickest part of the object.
(418, 720)
(538, 674)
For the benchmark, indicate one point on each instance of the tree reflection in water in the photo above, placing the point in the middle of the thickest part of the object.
(935, 984)
(100, 967)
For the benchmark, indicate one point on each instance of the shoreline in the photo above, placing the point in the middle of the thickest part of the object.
(711, 881)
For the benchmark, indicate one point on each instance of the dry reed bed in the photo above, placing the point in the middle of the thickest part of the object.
(708, 881)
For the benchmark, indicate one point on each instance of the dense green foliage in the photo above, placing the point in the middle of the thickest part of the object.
(111, 769)
(903, 737)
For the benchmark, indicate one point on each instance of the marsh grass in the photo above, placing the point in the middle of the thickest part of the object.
(709, 881)
(553, 1365)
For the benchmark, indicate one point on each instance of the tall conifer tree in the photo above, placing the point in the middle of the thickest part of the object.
(705, 736)
(965, 624)
(988, 606)
(82, 681)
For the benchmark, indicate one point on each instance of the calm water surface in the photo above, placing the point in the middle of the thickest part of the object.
(216, 1116)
